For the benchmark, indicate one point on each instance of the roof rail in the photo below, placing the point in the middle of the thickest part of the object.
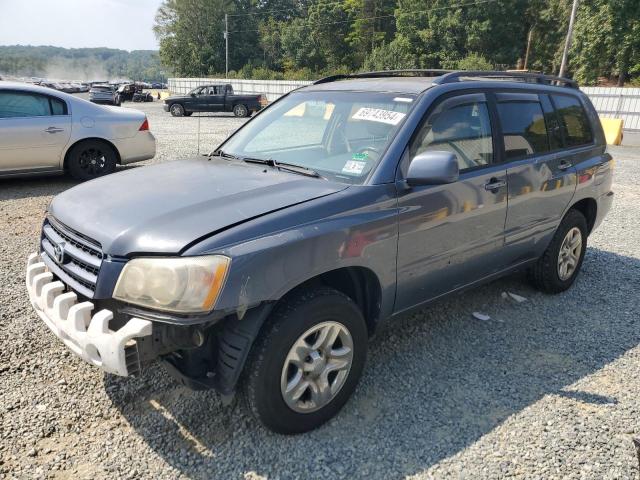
(523, 76)
(434, 72)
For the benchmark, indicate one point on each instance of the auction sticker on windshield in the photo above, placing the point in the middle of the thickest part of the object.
(379, 115)
(354, 167)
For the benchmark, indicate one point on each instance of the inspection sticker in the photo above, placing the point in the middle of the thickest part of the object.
(379, 115)
(353, 166)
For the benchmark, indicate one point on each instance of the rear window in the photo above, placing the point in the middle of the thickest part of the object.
(573, 121)
(523, 128)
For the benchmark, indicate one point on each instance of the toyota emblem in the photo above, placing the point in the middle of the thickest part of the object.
(58, 253)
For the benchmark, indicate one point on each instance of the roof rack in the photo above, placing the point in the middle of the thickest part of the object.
(434, 72)
(522, 76)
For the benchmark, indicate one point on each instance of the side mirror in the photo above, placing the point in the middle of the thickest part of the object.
(193, 94)
(433, 168)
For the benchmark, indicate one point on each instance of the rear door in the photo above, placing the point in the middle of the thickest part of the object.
(541, 182)
(34, 130)
(452, 235)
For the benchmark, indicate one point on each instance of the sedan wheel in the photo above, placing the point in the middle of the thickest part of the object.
(91, 159)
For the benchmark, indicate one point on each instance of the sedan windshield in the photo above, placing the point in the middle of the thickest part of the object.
(340, 135)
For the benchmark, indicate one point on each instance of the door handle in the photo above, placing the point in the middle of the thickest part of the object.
(54, 130)
(564, 165)
(494, 184)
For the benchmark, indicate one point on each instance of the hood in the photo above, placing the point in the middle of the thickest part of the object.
(176, 97)
(161, 209)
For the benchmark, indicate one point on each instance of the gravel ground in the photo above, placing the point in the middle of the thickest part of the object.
(546, 389)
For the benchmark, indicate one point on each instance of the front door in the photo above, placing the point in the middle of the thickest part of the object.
(452, 235)
(34, 130)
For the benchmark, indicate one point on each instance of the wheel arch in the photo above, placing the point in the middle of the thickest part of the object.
(589, 208)
(361, 284)
(98, 139)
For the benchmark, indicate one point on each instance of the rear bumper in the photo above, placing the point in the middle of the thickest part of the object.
(141, 146)
(87, 336)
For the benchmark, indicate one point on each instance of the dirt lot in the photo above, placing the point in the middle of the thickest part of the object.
(547, 388)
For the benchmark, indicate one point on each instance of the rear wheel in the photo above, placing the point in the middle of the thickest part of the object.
(176, 110)
(91, 159)
(307, 361)
(240, 110)
(560, 264)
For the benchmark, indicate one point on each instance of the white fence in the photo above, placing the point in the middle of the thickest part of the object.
(609, 102)
(273, 89)
(621, 103)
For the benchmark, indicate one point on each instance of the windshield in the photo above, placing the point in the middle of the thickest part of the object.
(341, 135)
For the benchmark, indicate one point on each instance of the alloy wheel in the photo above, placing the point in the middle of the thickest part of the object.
(569, 255)
(92, 161)
(316, 367)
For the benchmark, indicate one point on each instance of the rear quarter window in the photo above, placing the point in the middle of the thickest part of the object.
(58, 107)
(574, 122)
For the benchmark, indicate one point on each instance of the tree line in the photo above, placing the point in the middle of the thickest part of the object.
(85, 64)
(304, 39)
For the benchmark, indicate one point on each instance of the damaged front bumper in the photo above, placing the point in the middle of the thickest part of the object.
(86, 335)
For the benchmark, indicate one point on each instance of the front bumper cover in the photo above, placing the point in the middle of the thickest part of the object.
(87, 336)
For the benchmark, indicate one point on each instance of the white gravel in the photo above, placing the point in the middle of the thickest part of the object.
(547, 388)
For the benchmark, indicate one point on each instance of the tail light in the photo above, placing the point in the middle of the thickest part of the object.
(145, 125)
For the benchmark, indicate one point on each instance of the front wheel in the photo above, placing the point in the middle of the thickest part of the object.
(560, 264)
(307, 361)
(240, 111)
(176, 110)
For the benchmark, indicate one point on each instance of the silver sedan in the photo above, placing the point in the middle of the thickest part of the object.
(45, 131)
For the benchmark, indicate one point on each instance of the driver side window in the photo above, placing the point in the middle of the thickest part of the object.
(460, 125)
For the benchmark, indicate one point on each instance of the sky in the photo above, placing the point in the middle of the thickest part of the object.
(124, 24)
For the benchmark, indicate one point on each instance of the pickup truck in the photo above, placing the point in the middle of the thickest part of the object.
(214, 98)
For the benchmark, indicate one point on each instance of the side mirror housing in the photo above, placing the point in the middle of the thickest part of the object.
(193, 94)
(433, 168)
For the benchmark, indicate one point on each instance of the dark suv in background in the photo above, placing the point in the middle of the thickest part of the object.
(343, 204)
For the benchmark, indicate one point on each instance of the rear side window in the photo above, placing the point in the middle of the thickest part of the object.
(58, 107)
(573, 121)
(462, 126)
(18, 104)
(523, 128)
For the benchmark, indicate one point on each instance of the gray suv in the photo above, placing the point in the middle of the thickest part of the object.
(347, 203)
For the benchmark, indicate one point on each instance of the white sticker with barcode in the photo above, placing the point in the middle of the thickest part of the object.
(379, 115)
(353, 166)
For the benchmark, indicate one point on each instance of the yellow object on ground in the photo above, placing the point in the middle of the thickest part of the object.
(612, 130)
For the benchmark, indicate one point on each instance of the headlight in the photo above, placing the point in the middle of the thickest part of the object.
(180, 284)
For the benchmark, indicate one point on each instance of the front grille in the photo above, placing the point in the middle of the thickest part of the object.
(81, 257)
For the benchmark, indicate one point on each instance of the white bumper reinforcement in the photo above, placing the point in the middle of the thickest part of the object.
(87, 336)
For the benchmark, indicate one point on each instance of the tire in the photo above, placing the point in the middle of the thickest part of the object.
(240, 110)
(188, 114)
(269, 369)
(91, 159)
(176, 110)
(547, 274)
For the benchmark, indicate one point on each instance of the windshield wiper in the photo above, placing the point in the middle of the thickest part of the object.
(220, 153)
(289, 167)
